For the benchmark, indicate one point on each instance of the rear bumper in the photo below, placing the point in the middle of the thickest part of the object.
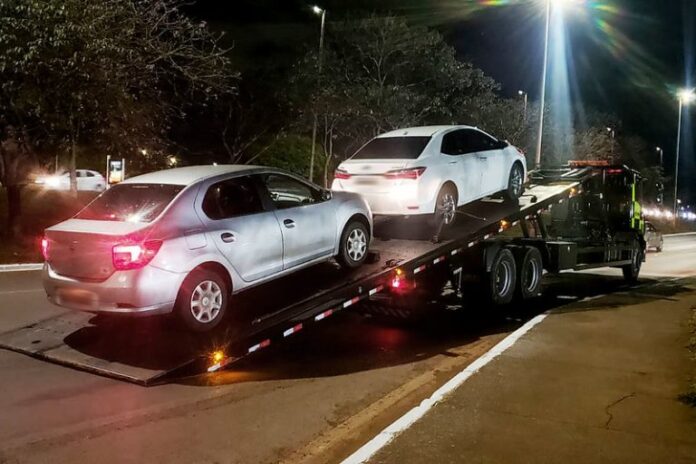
(145, 291)
(403, 201)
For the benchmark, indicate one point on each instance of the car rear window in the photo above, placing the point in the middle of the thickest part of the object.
(131, 202)
(393, 148)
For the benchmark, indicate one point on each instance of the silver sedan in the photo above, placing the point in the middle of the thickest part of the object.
(187, 239)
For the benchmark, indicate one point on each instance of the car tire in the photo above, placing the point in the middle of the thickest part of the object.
(660, 246)
(446, 206)
(530, 269)
(515, 187)
(500, 282)
(353, 248)
(202, 300)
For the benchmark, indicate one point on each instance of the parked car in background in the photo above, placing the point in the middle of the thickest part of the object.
(87, 180)
(187, 239)
(432, 170)
(653, 237)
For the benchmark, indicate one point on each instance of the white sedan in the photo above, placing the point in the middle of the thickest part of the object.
(87, 180)
(432, 170)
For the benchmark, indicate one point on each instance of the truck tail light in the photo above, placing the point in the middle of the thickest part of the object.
(44, 248)
(410, 173)
(134, 256)
(341, 174)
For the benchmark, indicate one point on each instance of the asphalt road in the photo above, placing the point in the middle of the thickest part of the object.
(315, 399)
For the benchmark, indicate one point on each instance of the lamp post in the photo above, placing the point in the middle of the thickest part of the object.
(662, 153)
(612, 134)
(685, 96)
(524, 94)
(322, 12)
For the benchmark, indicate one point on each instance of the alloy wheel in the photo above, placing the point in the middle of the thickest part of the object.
(356, 244)
(206, 301)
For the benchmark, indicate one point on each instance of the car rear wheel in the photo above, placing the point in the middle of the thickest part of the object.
(515, 187)
(660, 246)
(202, 300)
(446, 206)
(355, 241)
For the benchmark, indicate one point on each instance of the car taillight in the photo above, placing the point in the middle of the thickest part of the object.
(341, 174)
(410, 173)
(44, 248)
(134, 256)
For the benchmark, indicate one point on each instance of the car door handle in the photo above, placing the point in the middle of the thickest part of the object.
(289, 223)
(453, 162)
(228, 237)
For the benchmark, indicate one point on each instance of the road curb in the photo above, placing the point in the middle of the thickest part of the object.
(21, 267)
(680, 234)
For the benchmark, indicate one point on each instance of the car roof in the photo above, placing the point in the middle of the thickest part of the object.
(423, 131)
(190, 174)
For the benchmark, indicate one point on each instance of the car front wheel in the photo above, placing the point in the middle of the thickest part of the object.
(202, 300)
(352, 251)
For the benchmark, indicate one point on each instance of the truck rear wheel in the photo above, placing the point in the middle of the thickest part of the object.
(530, 269)
(501, 280)
(632, 271)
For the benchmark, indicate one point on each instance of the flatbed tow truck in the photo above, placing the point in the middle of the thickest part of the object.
(583, 216)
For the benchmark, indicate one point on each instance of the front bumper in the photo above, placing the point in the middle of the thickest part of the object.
(145, 291)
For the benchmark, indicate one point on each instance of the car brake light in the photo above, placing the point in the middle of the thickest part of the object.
(44, 248)
(341, 174)
(410, 173)
(134, 256)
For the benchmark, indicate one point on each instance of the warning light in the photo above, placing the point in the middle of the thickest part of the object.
(396, 282)
(504, 224)
(399, 272)
(573, 191)
(218, 356)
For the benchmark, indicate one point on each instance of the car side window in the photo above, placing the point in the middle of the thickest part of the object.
(287, 192)
(457, 142)
(483, 142)
(89, 174)
(232, 198)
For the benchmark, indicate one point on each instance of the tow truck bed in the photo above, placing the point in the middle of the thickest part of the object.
(150, 350)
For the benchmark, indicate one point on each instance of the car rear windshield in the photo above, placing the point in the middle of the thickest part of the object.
(393, 148)
(131, 202)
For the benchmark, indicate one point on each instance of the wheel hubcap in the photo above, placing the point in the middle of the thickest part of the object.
(206, 301)
(502, 278)
(448, 207)
(356, 244)
(532, 276)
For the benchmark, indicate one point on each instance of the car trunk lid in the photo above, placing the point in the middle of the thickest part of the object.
(82, 249)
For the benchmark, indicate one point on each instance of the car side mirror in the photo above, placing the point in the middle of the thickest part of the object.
(326, 195)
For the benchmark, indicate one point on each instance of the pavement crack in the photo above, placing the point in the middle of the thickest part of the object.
(611, 405)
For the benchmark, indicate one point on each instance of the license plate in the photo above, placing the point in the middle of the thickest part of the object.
(365, 181)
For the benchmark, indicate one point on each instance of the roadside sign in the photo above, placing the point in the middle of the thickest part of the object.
(116, 170)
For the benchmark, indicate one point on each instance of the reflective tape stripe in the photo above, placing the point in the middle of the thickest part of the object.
(351, 301)
(376, 290)
(292, 330)
(323, 315)
(419, 269)
(471, 244)
(438, 259)
(258, 346)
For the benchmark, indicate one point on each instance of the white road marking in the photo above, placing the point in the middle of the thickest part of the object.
(404, 422)
(10, 292)
(21, 267)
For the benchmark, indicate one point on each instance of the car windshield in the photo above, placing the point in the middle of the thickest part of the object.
(131, 203)
(393, 148)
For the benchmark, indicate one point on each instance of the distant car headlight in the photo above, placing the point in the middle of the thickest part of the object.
(52, 181)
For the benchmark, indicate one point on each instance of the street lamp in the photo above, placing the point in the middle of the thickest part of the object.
(524, 94)
(685, 96)
(318, 11)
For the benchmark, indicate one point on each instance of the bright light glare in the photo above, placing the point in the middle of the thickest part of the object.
(317, 10)
(53, 181)
(686, 96)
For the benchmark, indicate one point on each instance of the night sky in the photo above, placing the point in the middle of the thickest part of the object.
(627, 57)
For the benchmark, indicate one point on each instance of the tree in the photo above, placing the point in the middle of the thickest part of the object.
(381, 74)
(112, 74)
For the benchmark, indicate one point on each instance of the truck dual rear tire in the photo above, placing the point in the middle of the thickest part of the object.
(500, 282)
(530, 270)
(632, 271)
